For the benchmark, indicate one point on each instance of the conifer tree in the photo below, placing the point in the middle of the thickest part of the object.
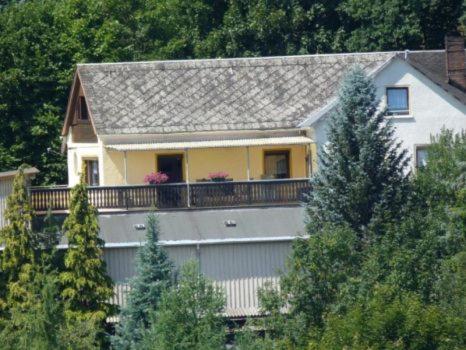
(43, 325)
(189, 316)
(20, 244)
(153, 276)
(362, 174)
(86, 286)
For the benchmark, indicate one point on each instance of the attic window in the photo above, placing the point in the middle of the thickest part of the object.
(83, 113)
(397, 101)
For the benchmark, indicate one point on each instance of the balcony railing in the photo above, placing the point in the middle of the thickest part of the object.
(179, 195)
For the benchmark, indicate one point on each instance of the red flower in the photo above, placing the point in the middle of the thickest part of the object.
(156, 178)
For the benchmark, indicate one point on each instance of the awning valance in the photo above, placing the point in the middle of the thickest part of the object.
(267, 141)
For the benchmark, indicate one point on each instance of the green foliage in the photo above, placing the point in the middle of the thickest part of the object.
(189, 315)
(43, 325)
(86, 285)
(392, 320)
(42, 40)
(318, 271)
(404, 288)
(153, 277)
(20, 243)
(361, 178)
(379, 25)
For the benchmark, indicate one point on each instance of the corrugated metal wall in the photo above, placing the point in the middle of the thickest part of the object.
(6, 186)
(240, 269)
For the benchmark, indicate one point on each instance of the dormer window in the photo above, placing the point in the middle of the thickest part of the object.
(83, 113)
(397, 101)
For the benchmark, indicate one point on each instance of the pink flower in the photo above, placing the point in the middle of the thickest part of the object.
(156, 178)
(218, 175)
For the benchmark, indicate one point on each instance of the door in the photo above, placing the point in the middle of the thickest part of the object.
(172, 165)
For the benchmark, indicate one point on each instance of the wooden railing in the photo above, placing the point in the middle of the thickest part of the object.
(180, 195)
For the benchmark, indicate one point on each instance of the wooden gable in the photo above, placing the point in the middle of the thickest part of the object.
(78, 118)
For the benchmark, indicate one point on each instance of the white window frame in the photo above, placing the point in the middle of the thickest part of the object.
(402, 114)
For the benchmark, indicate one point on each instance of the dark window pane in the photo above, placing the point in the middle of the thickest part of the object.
(277, 165)
(92, 172)
(172, 166)
(83, 113)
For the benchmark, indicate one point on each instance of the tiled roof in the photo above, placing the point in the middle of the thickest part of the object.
(229, 94)
(216, 94)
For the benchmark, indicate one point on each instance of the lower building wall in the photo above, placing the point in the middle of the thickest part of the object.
(239, 269)
(6, 185)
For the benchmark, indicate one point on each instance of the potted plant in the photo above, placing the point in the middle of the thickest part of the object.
(156, 178)
(218, 176)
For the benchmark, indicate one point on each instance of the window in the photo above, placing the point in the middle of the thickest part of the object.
(92, 172)
(83, 113)
(397, 101)
(277, 164)
(421, 156)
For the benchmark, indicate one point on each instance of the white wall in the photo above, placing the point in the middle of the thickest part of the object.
(431, 108)
(76, 152)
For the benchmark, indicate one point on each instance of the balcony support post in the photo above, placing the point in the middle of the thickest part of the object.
(248, 167)
(186, 168)
(126, 167)
(309, 160)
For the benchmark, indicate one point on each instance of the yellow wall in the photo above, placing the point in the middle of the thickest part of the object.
(201, 163)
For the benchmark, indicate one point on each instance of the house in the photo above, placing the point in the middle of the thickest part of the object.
(6, 186)
(258, 121)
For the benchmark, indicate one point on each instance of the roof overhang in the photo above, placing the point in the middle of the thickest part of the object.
(266, 141)
(29, 172)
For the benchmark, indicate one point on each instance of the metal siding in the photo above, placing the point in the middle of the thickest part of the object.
(239, 269)
(6, 185)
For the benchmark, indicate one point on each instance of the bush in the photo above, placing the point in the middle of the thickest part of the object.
(392, 320)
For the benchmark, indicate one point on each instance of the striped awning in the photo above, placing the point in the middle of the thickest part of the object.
(266, 141)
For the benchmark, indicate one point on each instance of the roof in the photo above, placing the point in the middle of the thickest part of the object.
(433, 65)
(12, 173)
(215, 94)
(265, 93)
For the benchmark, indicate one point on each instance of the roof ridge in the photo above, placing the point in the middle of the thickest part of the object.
(201, 60)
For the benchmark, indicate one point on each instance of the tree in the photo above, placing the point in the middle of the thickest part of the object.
(43, 325)
(380, 25)
(19, 255)
(189, 315)
(153, 277)
(86, 286)
(392, 320)
(362, 175)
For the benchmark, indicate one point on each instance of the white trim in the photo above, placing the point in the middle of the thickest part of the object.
(267, 141)
(187, 242)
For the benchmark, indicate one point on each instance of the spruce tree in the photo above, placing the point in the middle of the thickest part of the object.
(362, 175)
(153, 276)
(86, 286)
(189, 316)
(20, 244)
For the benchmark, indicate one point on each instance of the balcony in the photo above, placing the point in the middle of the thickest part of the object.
(178, 196)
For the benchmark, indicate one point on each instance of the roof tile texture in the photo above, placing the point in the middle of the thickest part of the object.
(208, 95)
